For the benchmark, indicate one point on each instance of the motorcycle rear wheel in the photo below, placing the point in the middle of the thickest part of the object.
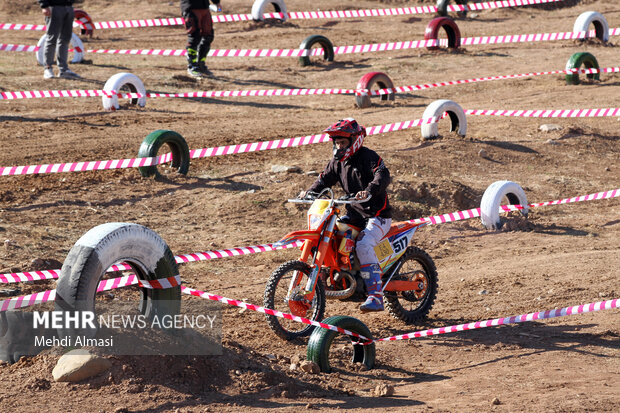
(413, 306)
(276, 292)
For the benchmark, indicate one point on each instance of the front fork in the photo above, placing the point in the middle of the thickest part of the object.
(316, 263)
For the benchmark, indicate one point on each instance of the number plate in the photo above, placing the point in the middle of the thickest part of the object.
(383, 250)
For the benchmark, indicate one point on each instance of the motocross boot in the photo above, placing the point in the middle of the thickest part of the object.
(202, 52)
(202, 67)
(192, 63)
(371, 274)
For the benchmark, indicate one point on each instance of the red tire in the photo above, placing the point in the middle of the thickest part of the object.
(451, 28)
(85, 22)
(367, 81)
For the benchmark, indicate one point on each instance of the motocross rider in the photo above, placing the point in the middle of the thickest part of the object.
(362, 172)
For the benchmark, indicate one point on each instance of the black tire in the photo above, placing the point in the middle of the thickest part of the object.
(276, 292)
(416, 263)
(154, 141)
(575, 62)
(18, 337)
(326, 44)
(104, 245)
(442, 7)
(321, 341)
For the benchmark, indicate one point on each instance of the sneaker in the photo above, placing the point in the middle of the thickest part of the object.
(48, 73)
(69, 74)
(194, 72)
(374, 302)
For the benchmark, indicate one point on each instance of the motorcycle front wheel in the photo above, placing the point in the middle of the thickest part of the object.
(413, 306)
(277, 297)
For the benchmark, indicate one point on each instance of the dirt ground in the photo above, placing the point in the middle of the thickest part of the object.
(561, 256)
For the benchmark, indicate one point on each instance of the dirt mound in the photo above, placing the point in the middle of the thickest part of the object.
(211, 379)
(430, 198)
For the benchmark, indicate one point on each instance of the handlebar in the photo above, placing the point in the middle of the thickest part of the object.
(343, 200)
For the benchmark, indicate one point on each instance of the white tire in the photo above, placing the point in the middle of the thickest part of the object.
(116, 83)
(592, 17)
(435, 110)
(492, 198)
(105, 245)
(258, 8)
(76, 45)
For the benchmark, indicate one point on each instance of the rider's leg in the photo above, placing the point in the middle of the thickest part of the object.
(207, 36)
(193, 39)
(370, 271)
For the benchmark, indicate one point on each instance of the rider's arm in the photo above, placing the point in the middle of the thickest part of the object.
(381, 177)
(327, 179)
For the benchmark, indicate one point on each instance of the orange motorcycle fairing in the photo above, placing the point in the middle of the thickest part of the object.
(302, 235)
(398, 227)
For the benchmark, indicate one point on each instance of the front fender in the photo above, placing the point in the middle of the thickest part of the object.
(302, 235)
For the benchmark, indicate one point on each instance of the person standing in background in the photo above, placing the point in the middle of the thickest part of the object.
(199, 28)
(59, 21)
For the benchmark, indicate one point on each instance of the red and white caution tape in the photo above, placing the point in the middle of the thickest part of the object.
(124, 24)
(402, 89)
(195, 153)
(559, 113)
(17, 26)
(367, 48)
(377, 47)
(16, 277)
(282, 143)
(233, 252)
(104, 285)
(132, 279)
(239, 251)
(475, 213)
(340, 14)
(18, 48)
(85, 166)
(50, 295)
(252, 307)
(39, 94)
(27, 300)
(539, 315)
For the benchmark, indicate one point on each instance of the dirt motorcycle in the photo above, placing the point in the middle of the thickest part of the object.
(329, 268)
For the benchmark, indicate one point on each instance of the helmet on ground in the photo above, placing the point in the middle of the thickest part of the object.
(346, 128)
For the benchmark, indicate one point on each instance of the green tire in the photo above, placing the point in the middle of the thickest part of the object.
(326, 44)
(321, 340)
(154, 141)
(576, 60)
